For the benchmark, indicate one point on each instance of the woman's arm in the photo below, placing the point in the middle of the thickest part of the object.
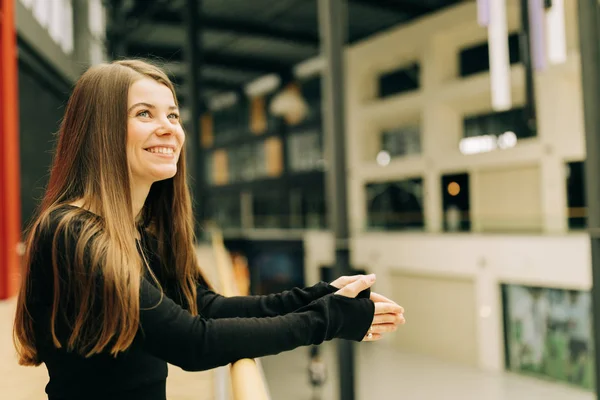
(171, 333)
(213, 305)
(195, 343)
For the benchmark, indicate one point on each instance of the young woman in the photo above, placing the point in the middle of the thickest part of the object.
(112, 290)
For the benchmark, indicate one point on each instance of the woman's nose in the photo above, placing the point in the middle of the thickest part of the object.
(163, 131)
(166, 128)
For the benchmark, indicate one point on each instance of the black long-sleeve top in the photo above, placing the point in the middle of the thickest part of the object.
(226, 330)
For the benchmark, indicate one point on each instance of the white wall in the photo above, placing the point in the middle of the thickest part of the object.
(543, 260)
(444, 326)
(553, 257)
(441, 103)
(68, 34)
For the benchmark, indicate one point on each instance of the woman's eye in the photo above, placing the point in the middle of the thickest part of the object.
(143, 114)
(174, 116)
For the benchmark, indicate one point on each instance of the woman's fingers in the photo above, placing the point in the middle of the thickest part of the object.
(388, 315)
(388, 308)
(342, 281)
(377, 298)
(397, 319)
(376, 331)
(372, 337)
(383, 328)
(354, 288)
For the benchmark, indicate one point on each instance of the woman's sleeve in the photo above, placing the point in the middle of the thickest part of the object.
(195, 343)
(213, 305)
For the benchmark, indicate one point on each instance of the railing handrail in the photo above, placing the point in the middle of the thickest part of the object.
(247, 380)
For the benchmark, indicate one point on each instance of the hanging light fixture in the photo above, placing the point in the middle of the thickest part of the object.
(556, 33)
(289, 104)
(483, 13)
(498, 54)
(536, 29)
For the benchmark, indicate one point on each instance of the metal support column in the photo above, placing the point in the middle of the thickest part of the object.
(117, 46)
(589, 35)
(529, 116)
(333, 33)
(81, 32)
(10, 191)
(193, 59)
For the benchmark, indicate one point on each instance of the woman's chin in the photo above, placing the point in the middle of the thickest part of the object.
(164, 173)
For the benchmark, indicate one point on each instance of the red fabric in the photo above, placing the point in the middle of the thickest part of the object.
(10, 205)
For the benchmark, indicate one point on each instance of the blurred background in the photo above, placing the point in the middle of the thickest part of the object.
(440, 144)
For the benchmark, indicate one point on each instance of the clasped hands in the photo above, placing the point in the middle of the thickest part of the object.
(388, 314)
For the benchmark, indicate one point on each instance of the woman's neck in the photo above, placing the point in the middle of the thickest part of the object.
(139, 193)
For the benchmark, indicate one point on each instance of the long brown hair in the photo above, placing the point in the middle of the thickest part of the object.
(90, 164)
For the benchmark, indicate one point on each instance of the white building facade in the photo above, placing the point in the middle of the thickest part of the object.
(450, 282)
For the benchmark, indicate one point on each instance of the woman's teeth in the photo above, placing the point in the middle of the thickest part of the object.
(162, 150)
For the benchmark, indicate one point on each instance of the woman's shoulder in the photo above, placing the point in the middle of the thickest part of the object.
(57, 233)
(69, 220)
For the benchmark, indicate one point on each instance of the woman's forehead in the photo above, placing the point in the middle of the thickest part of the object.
(150, 91)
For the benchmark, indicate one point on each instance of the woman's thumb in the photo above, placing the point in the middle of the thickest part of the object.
(354, 288)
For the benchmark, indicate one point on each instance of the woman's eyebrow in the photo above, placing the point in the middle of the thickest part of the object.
(148, 105)
(140, 104)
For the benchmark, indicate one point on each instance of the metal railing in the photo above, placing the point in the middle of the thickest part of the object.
(247, 381)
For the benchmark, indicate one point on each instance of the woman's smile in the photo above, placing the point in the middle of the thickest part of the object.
(162, 151)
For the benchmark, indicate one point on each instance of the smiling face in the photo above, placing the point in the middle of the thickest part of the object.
(154, 133)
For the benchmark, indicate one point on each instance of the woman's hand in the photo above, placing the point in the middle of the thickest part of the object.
(354, 284)
(343, 281)
(388, 315)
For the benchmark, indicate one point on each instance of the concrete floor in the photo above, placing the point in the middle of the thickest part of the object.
(385, 373)
(28, 383)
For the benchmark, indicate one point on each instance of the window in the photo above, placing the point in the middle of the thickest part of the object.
(209, 168)
(476, 59)
(395, 205)
(497, 124)
(314, 209)
(576, 201)
(269, 210)
(401, 141)
(231, 123)
(556, 324)
(308, 208)
(455, 197)
(275, 266)
(399, 81)
(305, 151)
(488, 132)
(247, 162)
(225, 211)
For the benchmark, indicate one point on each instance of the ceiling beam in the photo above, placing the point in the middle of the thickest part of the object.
(406, 7)
(137, 13)
(241, 63)
(210, 83)
(242, 28)
(144, 10)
